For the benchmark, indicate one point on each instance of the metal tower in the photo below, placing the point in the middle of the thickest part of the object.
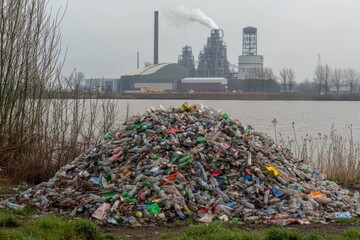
(187, 60)
(249, 41)
(213, 59)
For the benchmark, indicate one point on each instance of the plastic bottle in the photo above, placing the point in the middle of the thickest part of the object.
(266, 197)
(277, 191)
(355, 199)
(225, 209)
(203, 174)
(14, 205)
(251, 219)
(323, 200)
(178, 211)
(204, 184)
(115, 206)
(222, 194)
(133, 191)
(213, 181)
(313, 202)
(190, 194)
(246, 204)
(25, 193)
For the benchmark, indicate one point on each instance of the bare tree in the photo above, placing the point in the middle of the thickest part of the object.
(291, 79)
(337, 79)
(269, 76)
(326, 78)
(352, 78)
(307, 86)
(75, 80)
(284, 78)
(261, 76)
(29, 66)
(319, 76)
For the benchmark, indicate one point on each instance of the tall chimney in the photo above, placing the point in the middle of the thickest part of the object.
(137, 60)
(156, 38)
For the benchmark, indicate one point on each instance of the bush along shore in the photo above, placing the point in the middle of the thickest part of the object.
(189, 162)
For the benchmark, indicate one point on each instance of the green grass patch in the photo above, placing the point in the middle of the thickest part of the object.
(183, 223)
(168, 236)
(347, 220)
(350, 234)
(278, 233)
(25, 213)
(314, 236)
(216, 231)
(224, 231)
(49, 227)
(86, 229)
(8, 219)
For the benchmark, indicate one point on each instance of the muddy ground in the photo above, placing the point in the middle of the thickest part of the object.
(153, 232)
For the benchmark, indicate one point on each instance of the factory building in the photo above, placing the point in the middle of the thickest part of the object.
(213, 59)
(187, 60)
(100, 84)
(202, 85)
(249, 58)
(158, 77)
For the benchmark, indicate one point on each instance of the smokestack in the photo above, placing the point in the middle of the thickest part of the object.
(156, 38)
(137, 60)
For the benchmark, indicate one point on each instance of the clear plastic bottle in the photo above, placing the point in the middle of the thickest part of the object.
(225, 209)
(178, 211)
(14, 205)
(246, 204)
(266, 197)
(222, 194)
(203, 173)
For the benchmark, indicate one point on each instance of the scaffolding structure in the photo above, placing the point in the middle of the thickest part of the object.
(213, 59)
(187, 60)
(249, 41)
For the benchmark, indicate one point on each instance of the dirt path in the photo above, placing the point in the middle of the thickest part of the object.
(154, 232)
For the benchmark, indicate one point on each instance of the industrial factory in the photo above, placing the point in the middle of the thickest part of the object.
(211, 72)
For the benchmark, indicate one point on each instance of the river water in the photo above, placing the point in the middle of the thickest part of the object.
(309, 117)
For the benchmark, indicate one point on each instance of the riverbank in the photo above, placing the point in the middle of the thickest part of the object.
(222, 96)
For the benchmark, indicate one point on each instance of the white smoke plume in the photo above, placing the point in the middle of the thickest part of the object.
(183, 15)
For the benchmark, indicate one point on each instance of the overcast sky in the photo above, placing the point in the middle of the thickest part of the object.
(103, 36)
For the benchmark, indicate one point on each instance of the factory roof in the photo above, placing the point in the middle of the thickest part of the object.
(164, 71)
(205, 80)
(148, 70)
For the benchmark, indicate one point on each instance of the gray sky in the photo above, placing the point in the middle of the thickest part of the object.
(103, 36)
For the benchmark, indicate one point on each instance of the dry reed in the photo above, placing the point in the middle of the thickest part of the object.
(335, 155)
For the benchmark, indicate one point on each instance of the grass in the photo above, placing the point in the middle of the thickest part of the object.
(20, 225)
(7, 219)
(223, 231)
(216, 231)
(281, 233)
(86, 229)
(347, 220)
(350, 234)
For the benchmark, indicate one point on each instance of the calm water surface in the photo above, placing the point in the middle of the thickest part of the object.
(309, 117)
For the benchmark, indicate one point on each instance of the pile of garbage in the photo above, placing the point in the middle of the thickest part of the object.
(189, 162)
